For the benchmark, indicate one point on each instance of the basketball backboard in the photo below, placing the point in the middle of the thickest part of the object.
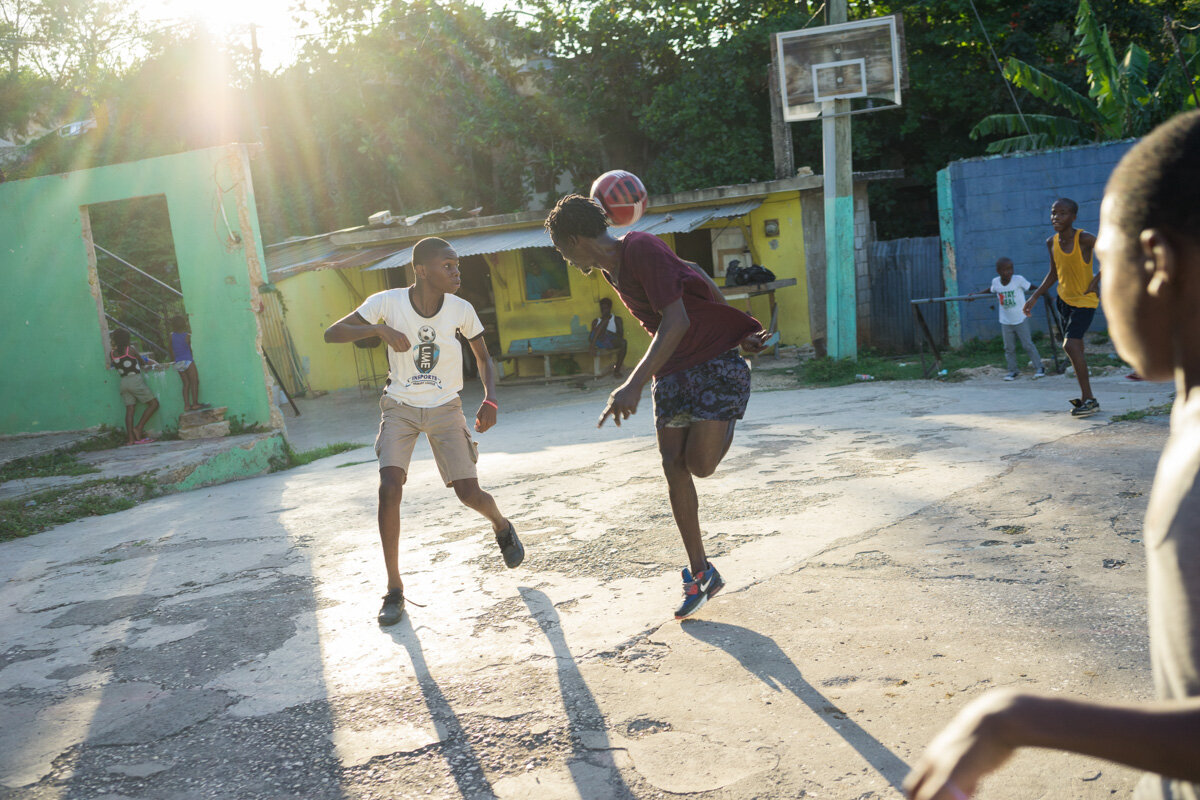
(860, 59)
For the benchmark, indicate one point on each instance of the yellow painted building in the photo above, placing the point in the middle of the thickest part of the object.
(522, 289)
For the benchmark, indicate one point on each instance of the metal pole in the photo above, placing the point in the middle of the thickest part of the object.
(168, 287)
(279, 381)
(841, 303)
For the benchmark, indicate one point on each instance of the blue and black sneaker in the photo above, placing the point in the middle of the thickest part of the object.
(698, 590)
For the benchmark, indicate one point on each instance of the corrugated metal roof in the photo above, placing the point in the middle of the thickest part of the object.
(326, 258)
(475, 244)
(680, 221)
(688, 219)
(737, 209)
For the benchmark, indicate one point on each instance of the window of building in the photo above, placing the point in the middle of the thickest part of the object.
(545, 274)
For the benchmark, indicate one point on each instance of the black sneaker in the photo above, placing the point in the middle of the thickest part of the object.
(511, 547)
(393, 607)
(1085, 408)
(698, 590)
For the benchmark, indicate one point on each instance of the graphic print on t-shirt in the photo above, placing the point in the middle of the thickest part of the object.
(429, 372)
(425, 356)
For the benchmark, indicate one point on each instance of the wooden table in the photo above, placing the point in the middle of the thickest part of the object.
(754, 290)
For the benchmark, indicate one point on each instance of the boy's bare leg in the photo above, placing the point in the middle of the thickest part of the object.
(151, 407)
(391, 490)
(685, 506)
(619, 365)
(129, 429)
(707, 443)
(195, 384)
(472, 496)
(1074, 351)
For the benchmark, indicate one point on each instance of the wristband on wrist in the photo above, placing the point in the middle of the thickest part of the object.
(491, 403)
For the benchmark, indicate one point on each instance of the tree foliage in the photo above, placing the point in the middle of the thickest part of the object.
(410, 105)
(1122, 99)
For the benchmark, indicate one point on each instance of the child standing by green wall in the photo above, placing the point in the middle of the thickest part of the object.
(128, 362)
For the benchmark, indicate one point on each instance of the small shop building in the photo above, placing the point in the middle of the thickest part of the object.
(525, 293)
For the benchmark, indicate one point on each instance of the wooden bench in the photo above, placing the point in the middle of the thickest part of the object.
(547, 347)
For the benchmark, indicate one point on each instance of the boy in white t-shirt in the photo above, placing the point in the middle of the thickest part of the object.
(419, 324)
(1010, 300)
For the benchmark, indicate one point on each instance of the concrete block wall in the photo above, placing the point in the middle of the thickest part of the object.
(863, 234)
(1001, 207)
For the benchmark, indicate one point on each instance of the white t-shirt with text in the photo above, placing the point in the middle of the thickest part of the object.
(1010, 299)
(429, 374)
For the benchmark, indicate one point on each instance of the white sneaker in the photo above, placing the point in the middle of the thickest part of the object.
(1012, 376)
(1041, 373)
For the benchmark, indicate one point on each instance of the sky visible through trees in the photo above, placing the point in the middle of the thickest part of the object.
(414, 105)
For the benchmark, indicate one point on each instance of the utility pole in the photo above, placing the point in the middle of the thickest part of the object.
(841, 304)
(781, 129)
(256, 53)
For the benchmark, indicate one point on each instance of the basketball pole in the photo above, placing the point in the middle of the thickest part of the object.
(841, 296)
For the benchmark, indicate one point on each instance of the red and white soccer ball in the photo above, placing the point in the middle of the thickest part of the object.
(621, 195)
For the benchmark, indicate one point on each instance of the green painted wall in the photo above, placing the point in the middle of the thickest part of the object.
(52, 332)
(246, 461)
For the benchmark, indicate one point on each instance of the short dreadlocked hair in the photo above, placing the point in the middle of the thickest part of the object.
(576, 215)
(1157, 183)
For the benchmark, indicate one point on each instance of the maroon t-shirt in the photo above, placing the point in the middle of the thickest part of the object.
(652, 277)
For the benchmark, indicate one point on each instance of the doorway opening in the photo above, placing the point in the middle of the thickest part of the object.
(131, 254)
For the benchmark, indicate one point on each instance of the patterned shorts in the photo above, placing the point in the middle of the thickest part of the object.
(717, 389)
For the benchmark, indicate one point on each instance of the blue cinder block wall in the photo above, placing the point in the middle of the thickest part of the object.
(1000, 206)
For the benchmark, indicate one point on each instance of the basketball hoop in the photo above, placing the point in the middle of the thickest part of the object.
(846, 61)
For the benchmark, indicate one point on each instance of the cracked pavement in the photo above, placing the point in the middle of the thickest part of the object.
(891, 550)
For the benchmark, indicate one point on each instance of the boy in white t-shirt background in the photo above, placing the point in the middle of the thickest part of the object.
(1010, 301)
(425, 375)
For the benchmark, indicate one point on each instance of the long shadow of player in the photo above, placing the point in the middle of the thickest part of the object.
(766, 660)
(583, 714)
(460, 757)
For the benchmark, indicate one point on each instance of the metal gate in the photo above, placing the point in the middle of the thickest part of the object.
(900, 270)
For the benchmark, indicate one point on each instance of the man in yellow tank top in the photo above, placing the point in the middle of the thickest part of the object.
(1071, 268)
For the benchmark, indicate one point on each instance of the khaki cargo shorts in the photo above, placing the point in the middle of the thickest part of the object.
(134, 389)
(454, 451)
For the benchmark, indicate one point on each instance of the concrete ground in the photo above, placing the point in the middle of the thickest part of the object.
(891, 550)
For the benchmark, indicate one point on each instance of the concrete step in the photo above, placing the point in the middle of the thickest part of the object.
(203, 416)
(210, 430)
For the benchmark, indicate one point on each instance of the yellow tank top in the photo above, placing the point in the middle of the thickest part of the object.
(1074, 275)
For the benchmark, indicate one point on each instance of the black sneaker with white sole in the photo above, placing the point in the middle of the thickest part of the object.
(393, 607)
(511, 547)
(1085, 408)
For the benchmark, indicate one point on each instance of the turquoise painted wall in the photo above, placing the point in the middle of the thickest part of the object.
(52, 335)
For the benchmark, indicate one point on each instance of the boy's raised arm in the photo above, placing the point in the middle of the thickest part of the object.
(353, 327)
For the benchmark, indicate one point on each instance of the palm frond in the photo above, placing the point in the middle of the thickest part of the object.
(1178, 79)
(1052, 90)
(1020, 144)
(1057, 131)
(1095, 47)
